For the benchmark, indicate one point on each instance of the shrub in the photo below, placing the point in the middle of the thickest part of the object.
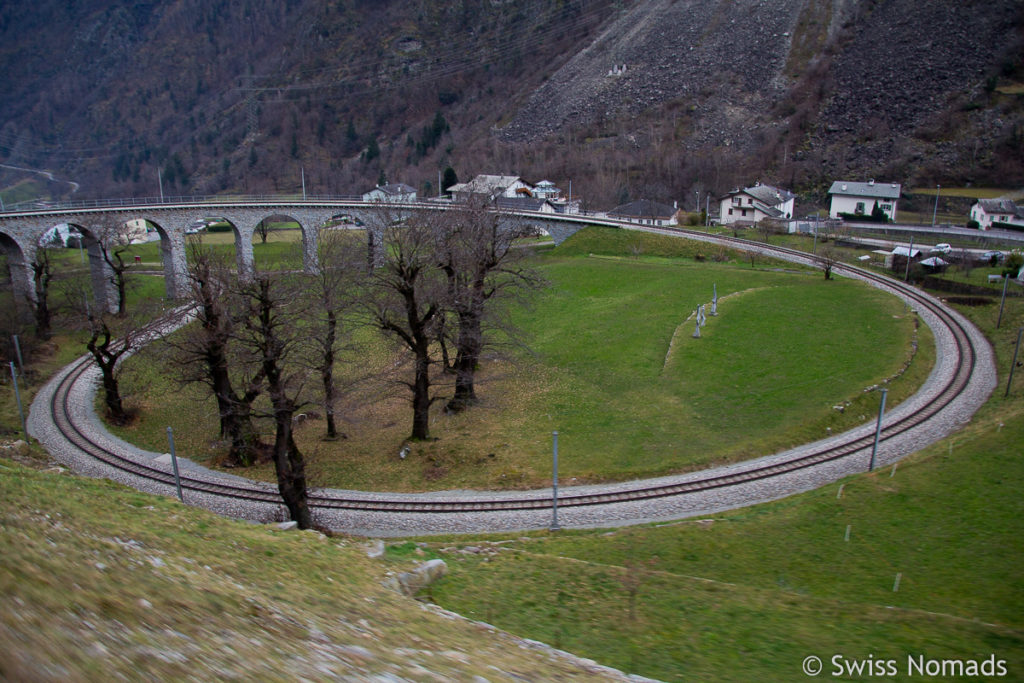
(1013, 265)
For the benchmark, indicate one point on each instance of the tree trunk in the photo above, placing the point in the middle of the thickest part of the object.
(42, 316)
(41, 307)
(100, 346)
(112, 396)
(291, 471)
(421, 397)
(469, 345)
(235, 411)
(466, 362)
(327, 374)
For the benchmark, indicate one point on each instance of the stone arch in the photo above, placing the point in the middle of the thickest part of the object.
(173, 259)
(19, 257)
(310, 234)
(100, 273)
(243, 231)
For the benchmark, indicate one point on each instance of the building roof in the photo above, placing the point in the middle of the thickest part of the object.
(772, 196)
(395, 189)
(871, 189)
(766, 198)
(998, 206)
(521, 203)
(644, 208)
(486, 184)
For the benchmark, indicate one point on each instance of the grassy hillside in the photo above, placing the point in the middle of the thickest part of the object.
(748, 594)
(99, 582)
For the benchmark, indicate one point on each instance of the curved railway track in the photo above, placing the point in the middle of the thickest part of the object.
(963, 378)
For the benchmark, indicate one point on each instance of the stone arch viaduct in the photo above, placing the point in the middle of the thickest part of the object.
(21, 231)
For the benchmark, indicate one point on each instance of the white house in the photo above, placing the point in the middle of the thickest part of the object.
(860, 199)
(989, 211)
(753, 204)
(546, 189)
(391, 193)
(492, 187)
(645, 212)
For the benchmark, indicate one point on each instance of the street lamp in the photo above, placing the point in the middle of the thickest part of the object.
(936, 209)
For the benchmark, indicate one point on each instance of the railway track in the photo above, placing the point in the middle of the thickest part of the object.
(938, 407)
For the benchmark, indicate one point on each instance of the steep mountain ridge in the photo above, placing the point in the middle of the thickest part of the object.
(628, 99)
(671, 50)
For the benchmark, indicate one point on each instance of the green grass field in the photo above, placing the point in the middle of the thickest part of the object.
(968, 192)
(616, 371)
(282, 246)
(748, 594)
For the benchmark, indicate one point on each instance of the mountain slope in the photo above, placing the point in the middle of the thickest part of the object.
(212, 97)
(99, 581)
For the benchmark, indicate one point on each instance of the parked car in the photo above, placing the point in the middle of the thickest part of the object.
(989, 255)
(942, 248)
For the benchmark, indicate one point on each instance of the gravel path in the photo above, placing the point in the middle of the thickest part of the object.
(376, 523)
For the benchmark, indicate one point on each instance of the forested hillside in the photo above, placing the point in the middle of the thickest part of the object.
(625, 98)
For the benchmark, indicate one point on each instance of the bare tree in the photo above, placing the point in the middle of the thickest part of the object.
(42, 274)
(340, 269)
(204, 354)
(114, 242)
(475, 253)
(406, 295)
(263, 230)
(111, 340)
(827, 258)
(272, 334)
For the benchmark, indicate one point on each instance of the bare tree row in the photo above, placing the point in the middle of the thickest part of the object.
(269, 345)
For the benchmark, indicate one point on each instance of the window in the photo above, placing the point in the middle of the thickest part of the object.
(730, 212)
(860, 208)
(744, 212)
(736, 201)
(886, 207)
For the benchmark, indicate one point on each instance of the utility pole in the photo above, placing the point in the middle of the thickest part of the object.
(160, 179)
(936, 209)
(554, 482)
(878, 431)
(1013, 364)
(910, 252)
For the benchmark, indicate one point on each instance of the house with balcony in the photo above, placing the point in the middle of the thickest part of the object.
(753, 204)
(860, 199)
